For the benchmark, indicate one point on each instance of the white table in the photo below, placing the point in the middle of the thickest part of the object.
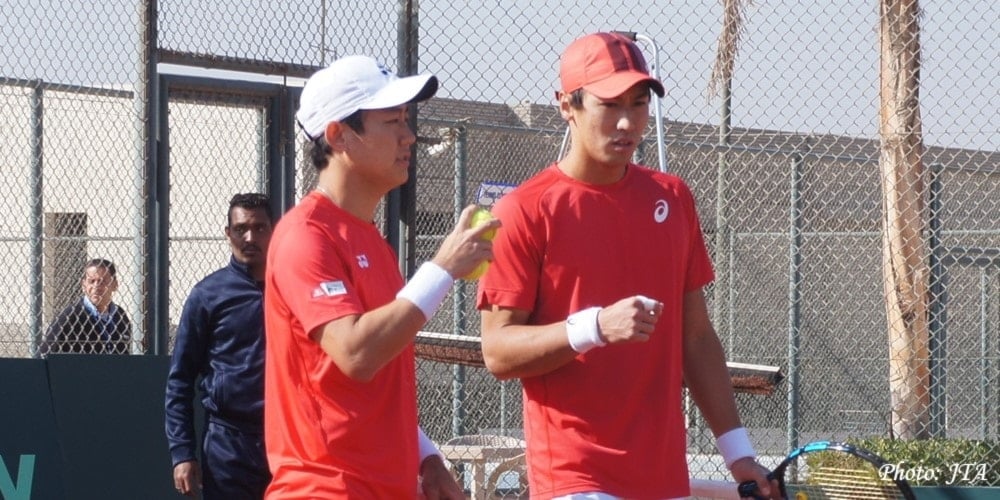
(478, 455)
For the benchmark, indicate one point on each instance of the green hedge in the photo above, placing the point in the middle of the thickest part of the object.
(932, 462)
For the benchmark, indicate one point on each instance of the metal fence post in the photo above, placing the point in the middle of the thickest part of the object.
(145, 304)
(159, 229)
(723, 241)
(987, 407)
(458, 308)
(37, 199)
(401, 203)
(936, 327)
(794, 299)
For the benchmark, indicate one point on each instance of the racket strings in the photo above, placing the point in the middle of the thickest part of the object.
(849, 483)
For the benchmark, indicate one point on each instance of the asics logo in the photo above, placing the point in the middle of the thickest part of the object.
(661, 211)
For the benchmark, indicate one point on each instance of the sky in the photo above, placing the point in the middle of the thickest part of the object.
(807, 67)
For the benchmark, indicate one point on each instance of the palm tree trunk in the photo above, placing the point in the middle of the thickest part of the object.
(905, 218)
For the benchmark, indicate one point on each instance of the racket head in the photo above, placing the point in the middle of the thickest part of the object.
(826, 469)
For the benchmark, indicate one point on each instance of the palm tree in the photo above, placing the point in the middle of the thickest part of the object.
(904, 215)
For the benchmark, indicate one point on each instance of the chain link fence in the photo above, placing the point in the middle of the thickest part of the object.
(127, 126)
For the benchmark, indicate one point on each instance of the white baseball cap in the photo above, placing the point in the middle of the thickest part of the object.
(353, 83)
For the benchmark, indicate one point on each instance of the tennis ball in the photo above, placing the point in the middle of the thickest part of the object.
(479, 217)
(482, 216)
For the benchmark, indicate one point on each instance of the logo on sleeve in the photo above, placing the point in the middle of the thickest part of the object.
(362, 261)
(329, 289)
(661, 211)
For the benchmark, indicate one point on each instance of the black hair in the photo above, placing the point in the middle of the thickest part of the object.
(355, 121)
(102, 263)
(319, 150)
(249, 201)
(576, 97)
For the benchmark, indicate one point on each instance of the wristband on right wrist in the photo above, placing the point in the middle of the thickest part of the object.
(734, 445)
(582, 330)
(427, 288)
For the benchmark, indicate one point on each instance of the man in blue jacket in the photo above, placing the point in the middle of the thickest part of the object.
(94, 324)
(220, 340)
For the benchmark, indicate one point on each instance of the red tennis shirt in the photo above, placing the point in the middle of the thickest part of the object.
(611, 420)
(328, 436)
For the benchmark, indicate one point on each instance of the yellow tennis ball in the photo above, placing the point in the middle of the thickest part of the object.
(479, 217)
(482, 216)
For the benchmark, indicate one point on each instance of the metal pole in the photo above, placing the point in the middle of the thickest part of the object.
(458, 134)
(159, 229)
(322, 33)
(400, 206)
(794, 300)
(37, 208)
(263, 144)
(985, 380)
(723, 241)
(661, 149)
(279, 182)
(503, 407)
(144, 109)
(993, 414)
(936, 340)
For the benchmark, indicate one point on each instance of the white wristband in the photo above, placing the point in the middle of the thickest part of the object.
(427, 288)
(734, 445)
(426, 446)
(582, 330)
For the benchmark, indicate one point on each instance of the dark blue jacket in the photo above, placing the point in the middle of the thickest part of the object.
(220, 340)
(76, 330)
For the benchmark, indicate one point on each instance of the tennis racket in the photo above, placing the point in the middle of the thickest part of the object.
(825, 469)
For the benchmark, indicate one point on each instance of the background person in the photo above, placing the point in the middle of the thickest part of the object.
(94, 324)
(594, 301)
(219, 349)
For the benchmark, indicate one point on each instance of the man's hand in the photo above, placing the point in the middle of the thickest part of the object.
(464, 248)
(631, 319)
(437, 481)
(747, 469)
(187, 478)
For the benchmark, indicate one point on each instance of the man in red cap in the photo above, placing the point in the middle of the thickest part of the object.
(595, 302)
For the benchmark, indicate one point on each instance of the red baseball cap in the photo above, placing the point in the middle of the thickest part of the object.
(606, 65)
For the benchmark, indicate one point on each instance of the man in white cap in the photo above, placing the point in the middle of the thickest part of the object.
(340, 412)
